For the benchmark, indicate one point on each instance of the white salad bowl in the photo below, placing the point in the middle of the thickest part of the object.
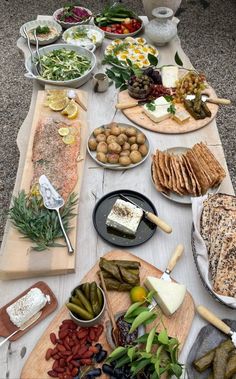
(66, 25)
(74, 83)
(34, 24)
(97, 40)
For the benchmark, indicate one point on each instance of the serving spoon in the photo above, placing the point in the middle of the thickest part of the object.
(35, 65)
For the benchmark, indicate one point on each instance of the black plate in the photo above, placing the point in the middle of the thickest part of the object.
(208, 338)
(145, 230)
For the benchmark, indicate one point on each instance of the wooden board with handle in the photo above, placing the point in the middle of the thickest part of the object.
(168, 126)
(17, 260)
(178, 325)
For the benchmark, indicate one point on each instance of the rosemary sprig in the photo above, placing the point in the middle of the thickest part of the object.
(37, 223)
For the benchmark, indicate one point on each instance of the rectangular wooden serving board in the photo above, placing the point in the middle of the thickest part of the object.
(17, 260)
(177, 325)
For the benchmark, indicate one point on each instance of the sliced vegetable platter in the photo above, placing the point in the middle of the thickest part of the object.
(178, 325)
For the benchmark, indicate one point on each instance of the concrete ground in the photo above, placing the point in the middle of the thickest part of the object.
(208, 34)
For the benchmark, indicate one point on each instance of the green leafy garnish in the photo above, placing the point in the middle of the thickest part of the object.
(178, 60)
(38, 223)
(153, 59)
(115, 13)
(42, 29)
(151, 106)
(171, 109)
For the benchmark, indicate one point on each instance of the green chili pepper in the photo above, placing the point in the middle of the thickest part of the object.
(150, 339)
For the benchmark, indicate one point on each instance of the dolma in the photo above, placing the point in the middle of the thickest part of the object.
(111, 268)
(128, 277)
(231, 366)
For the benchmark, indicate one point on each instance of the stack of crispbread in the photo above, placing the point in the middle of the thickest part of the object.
(192, 173)
(218, 229)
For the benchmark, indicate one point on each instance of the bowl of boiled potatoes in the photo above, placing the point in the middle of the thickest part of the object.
(118, 146)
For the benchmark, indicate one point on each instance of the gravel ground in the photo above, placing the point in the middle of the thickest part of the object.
(208, 34)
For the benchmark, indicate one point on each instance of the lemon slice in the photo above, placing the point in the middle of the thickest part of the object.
(56, 94)
(69, 139)
(73, 130)
(58, 104)
(71, 111)
(63, 131)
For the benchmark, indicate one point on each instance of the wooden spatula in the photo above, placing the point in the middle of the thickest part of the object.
(115, 330)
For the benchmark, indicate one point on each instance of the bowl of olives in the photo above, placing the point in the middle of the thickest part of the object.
(118, 146)
(140, 87)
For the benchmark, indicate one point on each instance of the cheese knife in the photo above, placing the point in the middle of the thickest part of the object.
(150, 216)
(131, 104)
(218, 323)
(215, 100)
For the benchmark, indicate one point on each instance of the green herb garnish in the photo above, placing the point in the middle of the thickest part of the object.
(38, 223)
(151, 106)
(171, 109)
(42, 30)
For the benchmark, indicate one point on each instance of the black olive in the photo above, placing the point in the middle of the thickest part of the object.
(107, 369)
(118, 372)
(99, 357)
(98, 346)
(94, 373)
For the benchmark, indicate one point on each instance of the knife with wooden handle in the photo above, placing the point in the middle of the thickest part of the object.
(130, 104)
(214, 100)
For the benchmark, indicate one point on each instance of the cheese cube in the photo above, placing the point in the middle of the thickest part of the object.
(169, 295)
(181, 116)
(124, 217)
(160, 112)
(169, 75)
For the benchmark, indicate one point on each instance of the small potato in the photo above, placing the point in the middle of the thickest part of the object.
(125, 161)
(98, 131)
(135, 156)
(114, 148)
(101, 157)
(121, 139)
(143, 150)
(112, 124)
(101, 137)
(112, 158)
(122, 129)
(92, 144)
(115, 130)
(130, 131)
(124, 153)
(134, 147)
(111, 139)
(132, 140)
(126, 146)
(107, 132)
(102, 147)
(140, 139)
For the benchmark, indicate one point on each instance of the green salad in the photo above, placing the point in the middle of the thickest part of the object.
(63, 65)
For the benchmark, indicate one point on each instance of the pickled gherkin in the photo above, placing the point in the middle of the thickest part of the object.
(221, 358)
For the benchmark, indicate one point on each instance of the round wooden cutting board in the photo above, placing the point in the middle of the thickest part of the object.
(167, 126)
(178, 325)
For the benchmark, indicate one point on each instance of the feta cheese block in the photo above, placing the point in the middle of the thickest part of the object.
(27, 306)
(181, 116)
(160, 112)
(169, 75)
(124, 217)
(169, 296)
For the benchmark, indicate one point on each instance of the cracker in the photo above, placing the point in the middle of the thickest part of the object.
(174, 177)
(213, 163)
(175, 172)
(198, 172)
(190, 175)
(186, 178)
(157, 175)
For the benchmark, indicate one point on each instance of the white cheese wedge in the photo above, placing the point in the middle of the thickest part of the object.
(169, 75)
(124, 217)
(169, 295)
(160, 112)
(27, 306)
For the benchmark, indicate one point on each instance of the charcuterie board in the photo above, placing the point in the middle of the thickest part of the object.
(168, 126)
(178, 325)
(17, 260)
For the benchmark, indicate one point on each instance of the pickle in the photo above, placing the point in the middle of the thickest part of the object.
(94, 298)
(79, 311)
(221, 358)
(84, 300)
(76, 300)
(100, 298)
(87, 290)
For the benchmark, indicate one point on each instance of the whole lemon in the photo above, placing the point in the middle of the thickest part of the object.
(138, 293)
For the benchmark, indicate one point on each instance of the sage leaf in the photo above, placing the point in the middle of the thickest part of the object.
(176, 369)
(131, 353)
(139, 366)
(178, 61)
(163, 337)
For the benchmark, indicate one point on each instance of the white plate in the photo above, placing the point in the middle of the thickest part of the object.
(117, 166)
(185, 199)
(69, 34)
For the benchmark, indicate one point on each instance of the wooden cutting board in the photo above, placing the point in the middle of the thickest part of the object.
(17, 260)
(178, 325)
(167, 126)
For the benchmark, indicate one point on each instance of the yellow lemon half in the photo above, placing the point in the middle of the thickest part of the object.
(71, 110)
(58, 104)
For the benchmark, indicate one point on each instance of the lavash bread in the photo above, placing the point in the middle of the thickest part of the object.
(218, 230)
(193, 173)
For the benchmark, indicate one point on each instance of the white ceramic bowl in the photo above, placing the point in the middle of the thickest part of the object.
(69, 34)
(121, 36)
(74, 83)
(95, 320)
(66, 25)
(35, 23)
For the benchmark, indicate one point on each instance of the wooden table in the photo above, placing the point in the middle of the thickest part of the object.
(97, 182)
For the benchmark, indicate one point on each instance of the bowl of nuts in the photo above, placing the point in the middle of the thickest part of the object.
(118, 146)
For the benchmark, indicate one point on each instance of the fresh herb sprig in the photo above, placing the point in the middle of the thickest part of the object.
(37, 223)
